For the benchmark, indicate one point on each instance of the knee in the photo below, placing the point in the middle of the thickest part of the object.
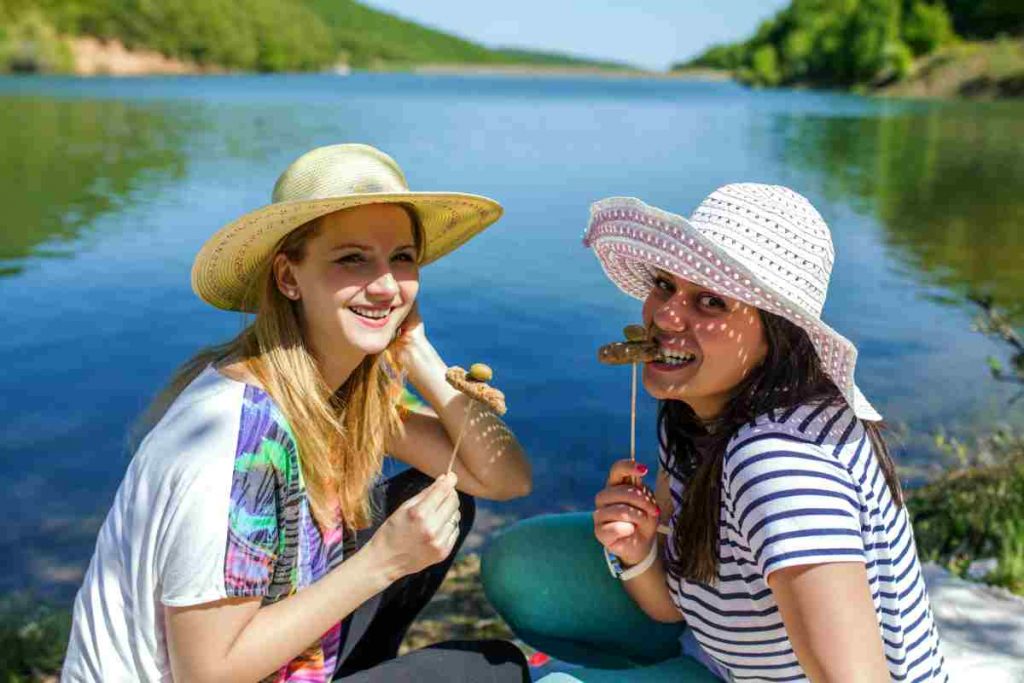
(534, 555)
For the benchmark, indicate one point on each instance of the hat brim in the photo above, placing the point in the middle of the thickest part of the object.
(631, 239)
(225, 265)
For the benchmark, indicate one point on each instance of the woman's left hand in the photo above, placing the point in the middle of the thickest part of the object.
(417, 356)
(412, 329)
(626, 514)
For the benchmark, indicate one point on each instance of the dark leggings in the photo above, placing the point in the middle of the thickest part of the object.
(374, 632)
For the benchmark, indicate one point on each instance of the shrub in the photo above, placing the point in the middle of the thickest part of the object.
(32, 638)
(973, 512)
(927, 27)
(765, 66)
(29, 43)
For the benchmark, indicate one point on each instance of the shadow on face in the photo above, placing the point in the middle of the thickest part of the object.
(708, 343)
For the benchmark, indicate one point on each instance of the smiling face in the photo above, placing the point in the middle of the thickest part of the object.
(709, 344)
(355, 280)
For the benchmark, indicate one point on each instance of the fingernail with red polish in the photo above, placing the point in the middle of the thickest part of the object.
(642, 469)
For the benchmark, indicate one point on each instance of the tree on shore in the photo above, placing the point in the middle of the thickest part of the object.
(848, 43)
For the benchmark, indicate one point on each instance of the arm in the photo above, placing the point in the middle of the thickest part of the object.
(831, 621)
(490, 462)
(626, 522)
(650, 592)
(799, 513)
(237, 640)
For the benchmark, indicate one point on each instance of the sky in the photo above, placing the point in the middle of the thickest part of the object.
(647, 33)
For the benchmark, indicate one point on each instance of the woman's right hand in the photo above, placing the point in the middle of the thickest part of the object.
(626, 518)
(422, 531)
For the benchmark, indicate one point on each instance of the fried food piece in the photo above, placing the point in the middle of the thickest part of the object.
(624, 353)
(634, 333)
(479, 372)
(477, 390)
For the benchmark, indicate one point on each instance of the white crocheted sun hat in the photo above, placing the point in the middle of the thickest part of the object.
(765, 245)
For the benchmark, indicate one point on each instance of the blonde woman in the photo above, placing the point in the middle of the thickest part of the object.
(251, 538)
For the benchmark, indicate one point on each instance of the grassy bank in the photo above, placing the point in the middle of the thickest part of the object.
(32, 639)
(974, 513)
(978, 70)
(904, 47)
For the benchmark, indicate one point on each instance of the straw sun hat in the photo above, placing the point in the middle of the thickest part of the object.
(322, 181)
(764, 245)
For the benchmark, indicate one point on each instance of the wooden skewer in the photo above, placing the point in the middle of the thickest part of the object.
(632, 425)
(632, 418)
(462, 432)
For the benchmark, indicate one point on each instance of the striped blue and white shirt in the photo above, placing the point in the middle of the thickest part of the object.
(803, 486)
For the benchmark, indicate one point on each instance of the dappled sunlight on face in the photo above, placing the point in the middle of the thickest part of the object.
(709, 343)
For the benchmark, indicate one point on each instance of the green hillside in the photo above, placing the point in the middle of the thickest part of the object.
(857, 43)
(257, 35)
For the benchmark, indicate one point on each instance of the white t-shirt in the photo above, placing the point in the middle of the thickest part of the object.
(212, 506)
(803, 486)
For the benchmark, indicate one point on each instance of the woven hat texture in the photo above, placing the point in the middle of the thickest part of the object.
(322, 181)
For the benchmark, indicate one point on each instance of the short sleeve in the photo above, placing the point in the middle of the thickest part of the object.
(252, 543)
(192, 541)
(262, 472)
(224, 538)
(792, 504)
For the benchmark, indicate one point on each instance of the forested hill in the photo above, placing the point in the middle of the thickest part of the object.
(259, 35)
(844, 43)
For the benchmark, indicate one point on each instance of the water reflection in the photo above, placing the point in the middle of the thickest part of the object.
(65, 163)
(124, 179)
(946, 184)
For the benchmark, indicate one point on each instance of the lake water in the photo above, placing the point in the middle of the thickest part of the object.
(109, 187)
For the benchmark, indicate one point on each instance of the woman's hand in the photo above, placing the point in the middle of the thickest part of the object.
(626, 518)
(421, 532)
(412, 332)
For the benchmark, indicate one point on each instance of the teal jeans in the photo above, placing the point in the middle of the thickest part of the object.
(547, 578)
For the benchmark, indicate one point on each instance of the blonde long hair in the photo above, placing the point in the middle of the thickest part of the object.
(340, 436)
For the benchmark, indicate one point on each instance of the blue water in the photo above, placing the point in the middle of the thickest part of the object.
(110, 187)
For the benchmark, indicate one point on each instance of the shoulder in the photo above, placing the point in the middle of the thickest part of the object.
(199, 428)
(214, 422)
(809, 440)
(788, 488)
(818, 429)
(265, 439)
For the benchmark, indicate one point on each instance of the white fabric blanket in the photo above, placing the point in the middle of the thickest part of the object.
(981, 628)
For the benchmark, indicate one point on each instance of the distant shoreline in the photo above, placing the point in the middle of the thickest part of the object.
(559, 71)
(959, 73)
(94, 57)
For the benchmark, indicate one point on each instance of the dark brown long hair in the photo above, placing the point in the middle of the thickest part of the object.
(790, 375)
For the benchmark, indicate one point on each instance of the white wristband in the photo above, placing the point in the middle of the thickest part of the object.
(645, 564)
